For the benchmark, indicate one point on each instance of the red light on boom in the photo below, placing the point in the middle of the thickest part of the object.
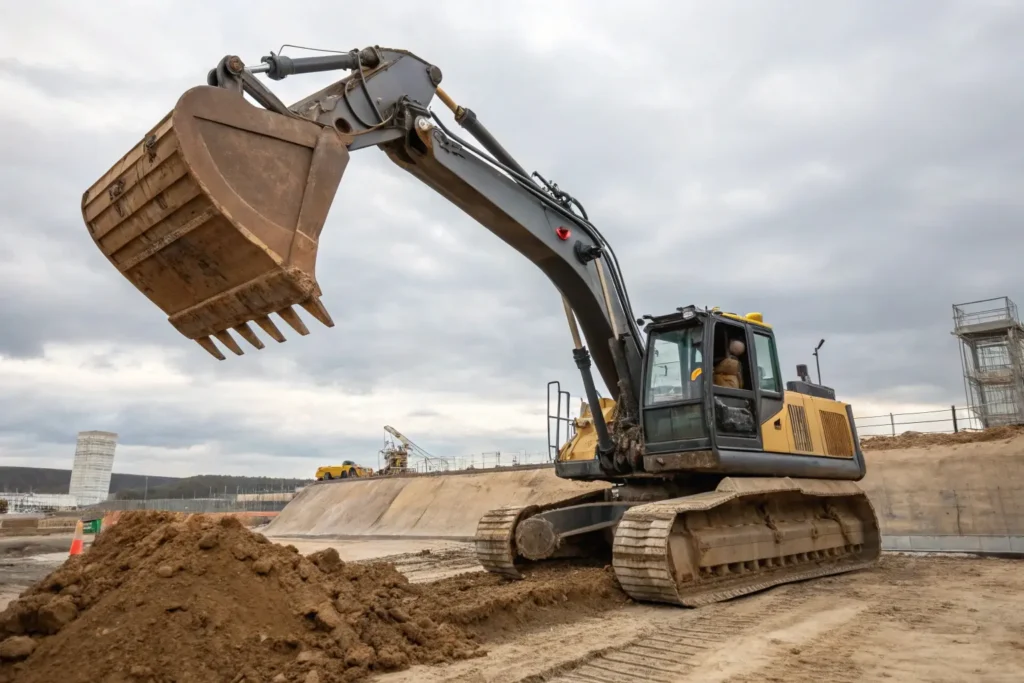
(563, 233)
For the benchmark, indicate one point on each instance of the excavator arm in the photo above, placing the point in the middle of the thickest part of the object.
(385, 101)
(202, 275)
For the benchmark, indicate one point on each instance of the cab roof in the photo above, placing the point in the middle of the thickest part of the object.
(684, 313)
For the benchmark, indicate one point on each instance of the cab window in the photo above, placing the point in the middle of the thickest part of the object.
(675, 372)
(764, 350)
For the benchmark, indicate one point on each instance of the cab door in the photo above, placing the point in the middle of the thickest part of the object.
(733, 396)
(674, 399)
(770, 390)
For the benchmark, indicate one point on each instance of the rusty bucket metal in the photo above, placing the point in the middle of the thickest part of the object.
(216, 216)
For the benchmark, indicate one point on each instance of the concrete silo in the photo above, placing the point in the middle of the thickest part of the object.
(94, 460)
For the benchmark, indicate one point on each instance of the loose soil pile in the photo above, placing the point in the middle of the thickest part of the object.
(162, 599)
(924, 440)
(495, 609)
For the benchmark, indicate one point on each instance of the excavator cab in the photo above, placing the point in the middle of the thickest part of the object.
(703, 364)
(698, 393)
(713, 402)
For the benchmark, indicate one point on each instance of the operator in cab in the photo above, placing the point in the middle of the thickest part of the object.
(728, 372)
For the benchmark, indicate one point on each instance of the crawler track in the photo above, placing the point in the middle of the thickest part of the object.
(495, 533)
(495, 539)
(748, 535)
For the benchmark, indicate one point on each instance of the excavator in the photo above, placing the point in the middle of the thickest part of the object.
(706, 490)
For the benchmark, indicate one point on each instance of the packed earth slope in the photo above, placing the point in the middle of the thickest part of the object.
(966, 484)
(442, 506)
(969, 485)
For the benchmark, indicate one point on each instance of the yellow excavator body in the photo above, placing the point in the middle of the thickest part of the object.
(806, 424)
(583, 443)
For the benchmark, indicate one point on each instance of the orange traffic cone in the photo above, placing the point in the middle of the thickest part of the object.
(78, 542)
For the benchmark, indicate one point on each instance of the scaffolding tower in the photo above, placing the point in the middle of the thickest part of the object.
(992, 356)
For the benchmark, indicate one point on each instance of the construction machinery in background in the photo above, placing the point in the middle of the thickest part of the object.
(346, 470)
(396, 455)
(717, 487)
(397, 450)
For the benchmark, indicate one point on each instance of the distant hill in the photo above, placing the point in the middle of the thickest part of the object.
(209, 484)
(136, 486)
(46, 480)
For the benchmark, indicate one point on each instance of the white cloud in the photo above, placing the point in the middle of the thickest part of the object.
(102, 383)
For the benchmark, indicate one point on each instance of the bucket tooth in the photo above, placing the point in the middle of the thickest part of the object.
(225, 338)
(316, 308)
(268, 326)
(289, 315)
(248, 335)
(210, 347)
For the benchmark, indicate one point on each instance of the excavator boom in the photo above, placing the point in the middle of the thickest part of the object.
(217, 246)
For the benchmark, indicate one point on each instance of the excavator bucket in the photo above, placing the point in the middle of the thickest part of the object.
(216, 216)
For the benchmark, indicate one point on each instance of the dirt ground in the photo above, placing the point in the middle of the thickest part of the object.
(914, 618)
(927, 439)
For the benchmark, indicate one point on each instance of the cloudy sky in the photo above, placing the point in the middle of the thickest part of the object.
(849, 169)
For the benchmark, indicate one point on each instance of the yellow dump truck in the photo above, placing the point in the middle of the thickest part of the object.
(343, 471)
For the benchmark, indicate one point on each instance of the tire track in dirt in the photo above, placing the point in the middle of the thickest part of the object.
(433, 565)
(923, 625)
(701, 646)
(827, 657)
(661, 656)
(832, 654)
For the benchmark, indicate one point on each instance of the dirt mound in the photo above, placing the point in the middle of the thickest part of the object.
(160, 599)
(924, 440)
(493, 608)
